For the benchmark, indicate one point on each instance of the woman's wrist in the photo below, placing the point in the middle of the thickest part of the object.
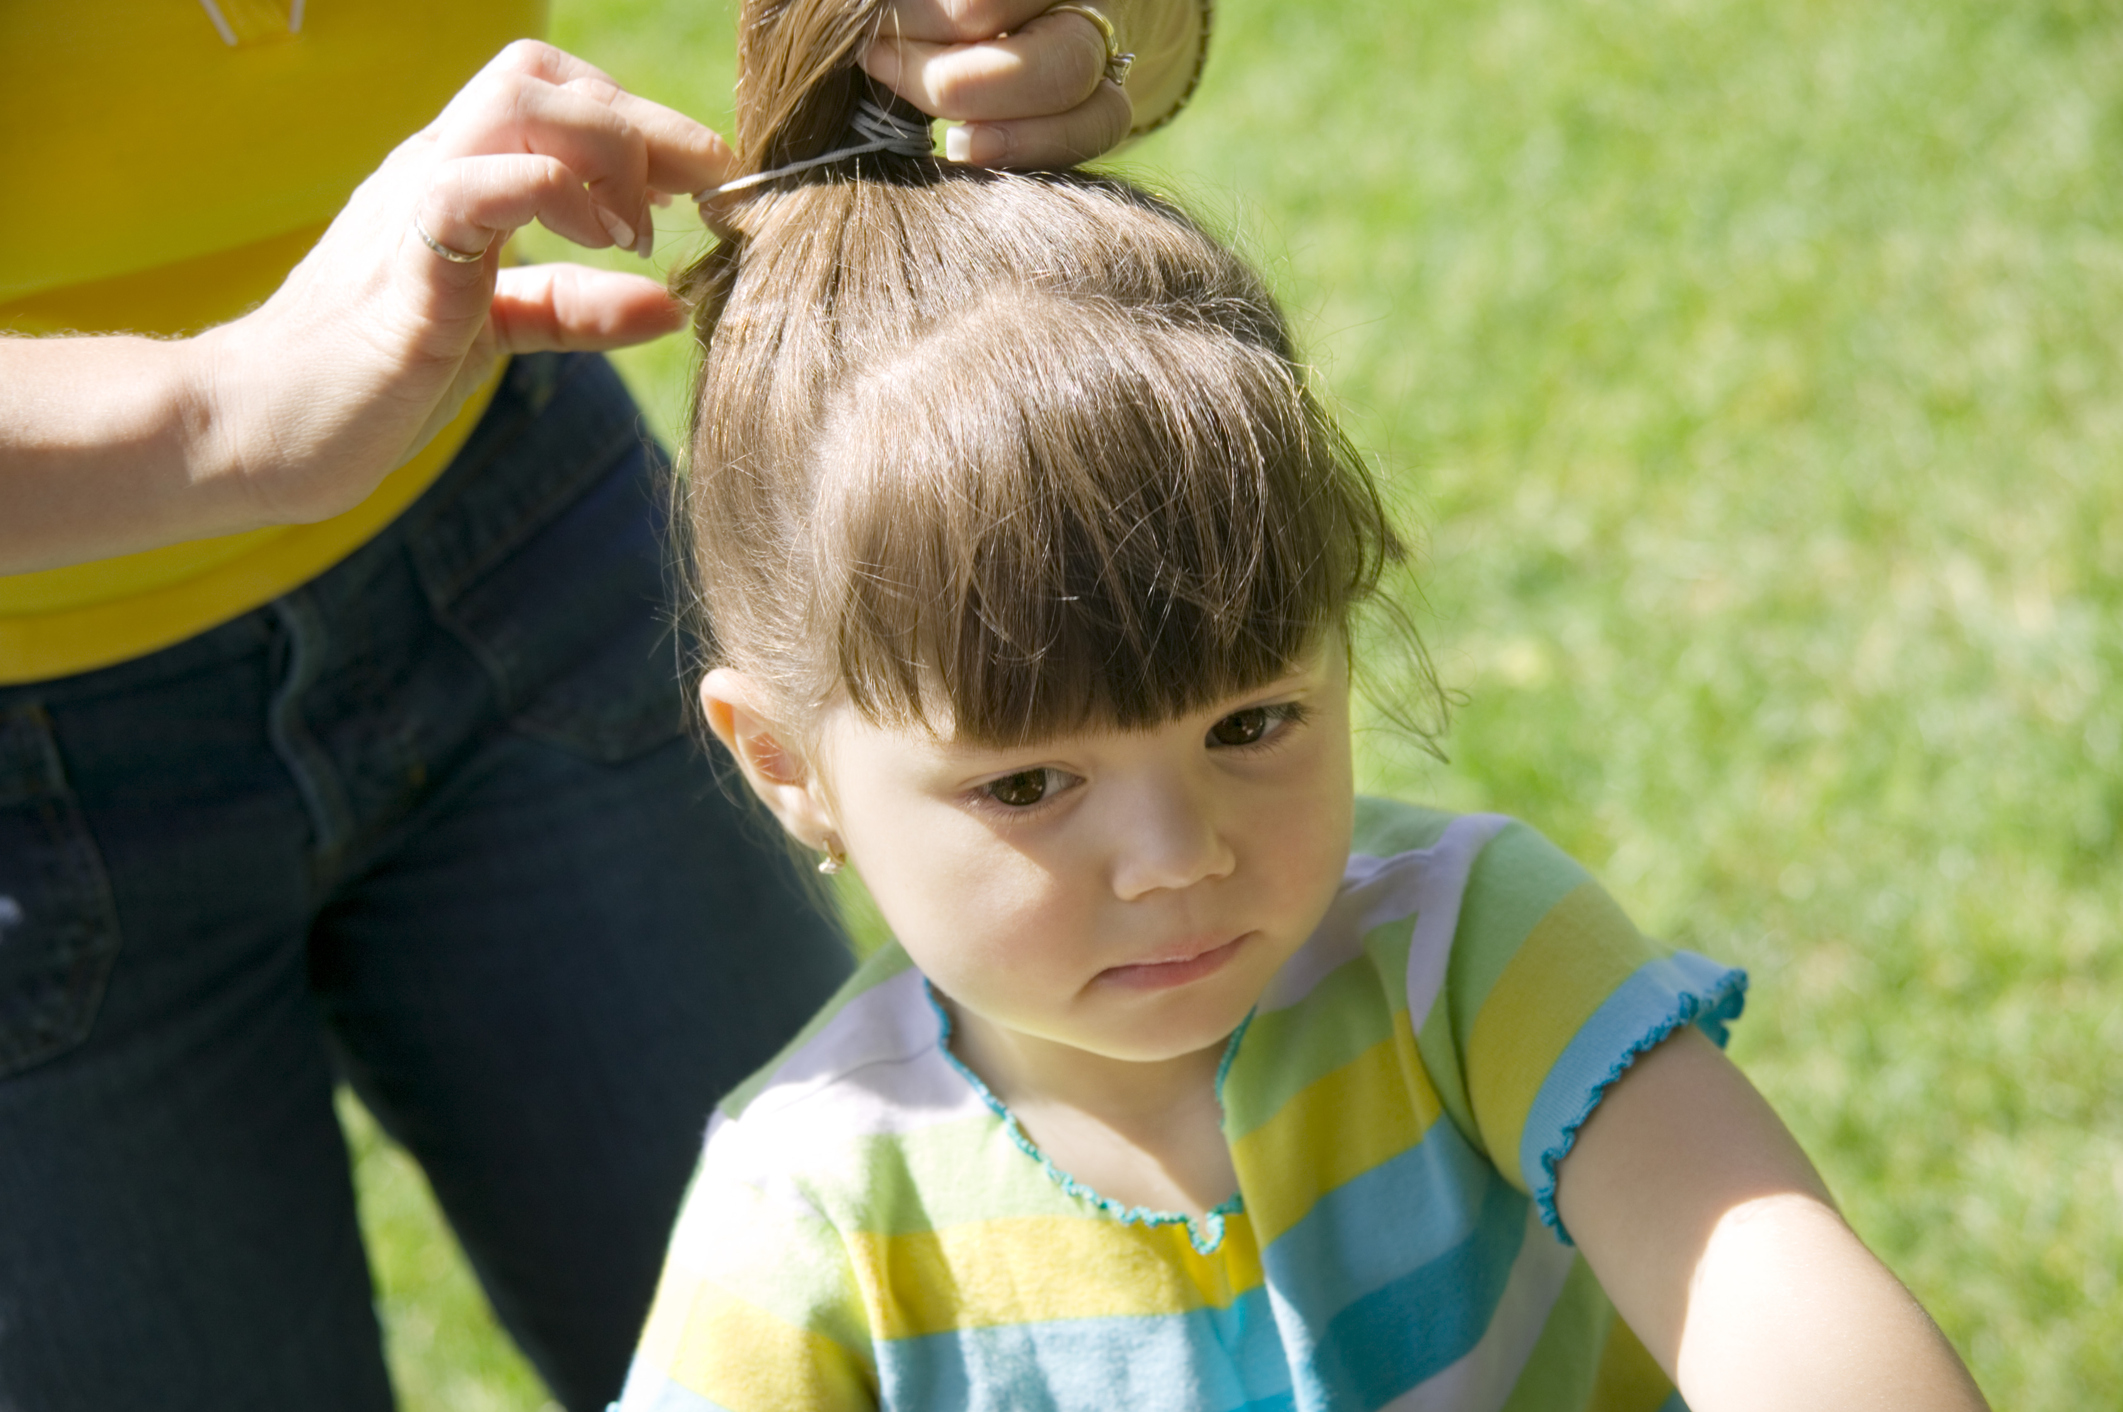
(245, 440)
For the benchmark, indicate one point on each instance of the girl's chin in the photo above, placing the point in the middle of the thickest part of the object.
(1200, 1033)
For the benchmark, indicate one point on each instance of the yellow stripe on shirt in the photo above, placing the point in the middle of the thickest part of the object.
(1308, 1148)
(1561, 973)
(737, 1355)
(1032, 1270)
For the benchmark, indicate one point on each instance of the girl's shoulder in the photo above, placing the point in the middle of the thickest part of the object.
(1474, 881)
(879, 1019)
(1388, 826)
(1522, 987)
(1393, 829)
(1474, 884)
(864, 1094)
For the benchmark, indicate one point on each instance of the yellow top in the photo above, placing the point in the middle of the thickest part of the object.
(165, 179)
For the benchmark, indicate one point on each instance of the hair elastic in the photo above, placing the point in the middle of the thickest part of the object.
(881, 131)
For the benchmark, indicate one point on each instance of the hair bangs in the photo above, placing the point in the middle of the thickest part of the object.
(1100, 517)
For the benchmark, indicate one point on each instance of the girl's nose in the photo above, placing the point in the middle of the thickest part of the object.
(1163, 838)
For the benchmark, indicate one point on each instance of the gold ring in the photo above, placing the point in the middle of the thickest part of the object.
(455, 257)
(1117, 62)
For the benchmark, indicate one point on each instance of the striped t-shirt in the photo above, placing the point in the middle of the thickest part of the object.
(868, 1228)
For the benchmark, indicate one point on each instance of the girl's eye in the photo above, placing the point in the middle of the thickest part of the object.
(1023, 789)
(1242, 727)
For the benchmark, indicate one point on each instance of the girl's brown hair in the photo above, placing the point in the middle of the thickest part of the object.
(1003, 455)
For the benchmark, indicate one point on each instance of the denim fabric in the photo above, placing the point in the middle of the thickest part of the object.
(431, 825)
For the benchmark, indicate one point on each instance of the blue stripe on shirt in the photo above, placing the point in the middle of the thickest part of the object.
(1416, 1326)
(1368, 1231)
(1205, 1360)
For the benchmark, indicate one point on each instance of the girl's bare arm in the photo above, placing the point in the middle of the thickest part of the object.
(1719, 1243)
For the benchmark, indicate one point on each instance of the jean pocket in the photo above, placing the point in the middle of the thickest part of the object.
(548, 560)
(58, 924)
(621, 701)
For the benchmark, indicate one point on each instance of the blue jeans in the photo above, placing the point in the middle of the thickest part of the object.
(431, 825)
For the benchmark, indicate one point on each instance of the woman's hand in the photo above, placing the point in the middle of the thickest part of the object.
(375, 339)
(1029, 87)
(297, 410)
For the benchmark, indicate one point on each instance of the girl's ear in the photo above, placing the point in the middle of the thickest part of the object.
(773, 761)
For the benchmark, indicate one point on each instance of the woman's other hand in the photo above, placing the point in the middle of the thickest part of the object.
(1028, 86)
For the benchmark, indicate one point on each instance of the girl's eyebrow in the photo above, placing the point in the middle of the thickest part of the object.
(1304, 678)
(975, 757)
(1296, 681)
(960, 754)
(1004, 756)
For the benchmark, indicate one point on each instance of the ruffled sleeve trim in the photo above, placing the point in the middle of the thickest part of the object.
(1658, 999)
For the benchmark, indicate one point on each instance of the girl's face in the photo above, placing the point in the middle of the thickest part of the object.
(1124, 893)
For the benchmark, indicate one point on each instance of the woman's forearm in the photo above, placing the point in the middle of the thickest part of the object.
(107, 447)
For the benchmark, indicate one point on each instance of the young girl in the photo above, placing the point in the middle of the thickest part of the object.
(1189, 1080)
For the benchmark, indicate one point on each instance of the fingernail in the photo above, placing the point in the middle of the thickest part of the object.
(976, 145)
(646, 246)
(622, 234)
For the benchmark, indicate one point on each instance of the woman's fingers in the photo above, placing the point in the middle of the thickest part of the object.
(1093, 126)
(473, 203)
(538, 100)
(960, 21)
(542, 307)
(1045, 68)
(1032, 97)
(618, 141)
(607, 155)
(542, 60)
(684, 155)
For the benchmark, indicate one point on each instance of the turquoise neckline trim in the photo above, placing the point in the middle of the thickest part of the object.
(1205, 1235)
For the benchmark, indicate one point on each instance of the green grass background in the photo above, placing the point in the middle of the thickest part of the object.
(1749, 371)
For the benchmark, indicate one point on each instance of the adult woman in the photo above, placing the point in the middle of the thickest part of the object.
(338, 734)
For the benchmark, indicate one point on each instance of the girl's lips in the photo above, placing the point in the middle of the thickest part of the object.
(1159, 975)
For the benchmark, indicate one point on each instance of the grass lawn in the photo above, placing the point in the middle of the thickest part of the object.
(1750, 372)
